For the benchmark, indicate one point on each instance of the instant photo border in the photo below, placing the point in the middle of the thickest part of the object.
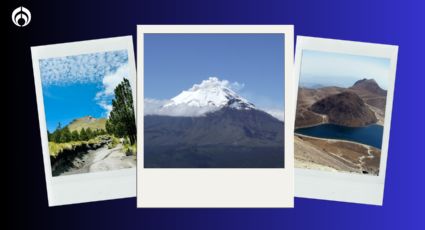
(94, 186)
(166, 187)
(343, 186)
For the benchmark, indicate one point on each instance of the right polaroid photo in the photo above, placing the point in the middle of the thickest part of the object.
(343, 117)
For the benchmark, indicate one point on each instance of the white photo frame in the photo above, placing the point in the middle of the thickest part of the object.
(202, 187)
(93, 186)
(344, 186)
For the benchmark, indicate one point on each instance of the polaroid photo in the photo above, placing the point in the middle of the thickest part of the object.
(85, 94)
(215, 131)
(343, 118)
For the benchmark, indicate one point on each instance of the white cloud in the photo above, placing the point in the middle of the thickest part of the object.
(277, 113)
(152, 106)
(211, 81)
(236, 86)
(109, 83)
(156, 107)
(84, 68)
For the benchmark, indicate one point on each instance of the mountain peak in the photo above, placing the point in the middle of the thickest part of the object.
(214, 93)
(365, 81)
(369, 85)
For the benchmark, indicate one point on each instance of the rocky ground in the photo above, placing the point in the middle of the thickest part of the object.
(336, 155)
(102, 159)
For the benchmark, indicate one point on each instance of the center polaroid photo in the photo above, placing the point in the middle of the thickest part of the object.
(213, 126)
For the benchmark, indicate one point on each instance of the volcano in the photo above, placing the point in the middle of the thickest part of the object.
(222, 130)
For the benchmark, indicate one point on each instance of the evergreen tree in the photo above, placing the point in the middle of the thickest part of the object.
(65, 135)
(56, 135)
(121, 120)
(75, 136)
(89, 133)
(83, 135)
(96, 132)
(102, 132)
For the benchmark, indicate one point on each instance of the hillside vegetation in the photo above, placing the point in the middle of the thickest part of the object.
(87, 122)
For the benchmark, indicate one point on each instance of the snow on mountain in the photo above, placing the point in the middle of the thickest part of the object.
(211, 93)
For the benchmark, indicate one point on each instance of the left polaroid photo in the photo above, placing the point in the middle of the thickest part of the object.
(86, 112)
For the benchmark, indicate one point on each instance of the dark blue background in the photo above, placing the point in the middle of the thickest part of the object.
(393, 22)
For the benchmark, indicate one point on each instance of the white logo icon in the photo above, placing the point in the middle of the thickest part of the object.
(21, 16)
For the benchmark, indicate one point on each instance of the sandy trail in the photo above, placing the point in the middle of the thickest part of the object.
(102, 159)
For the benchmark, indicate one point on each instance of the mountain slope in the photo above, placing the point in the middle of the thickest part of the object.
(87, 122)
(371, 93)
(227, 138)
(224, 127)
(345, 108)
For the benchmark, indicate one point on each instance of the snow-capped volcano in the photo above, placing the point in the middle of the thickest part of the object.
(212, 93)
(209, 96)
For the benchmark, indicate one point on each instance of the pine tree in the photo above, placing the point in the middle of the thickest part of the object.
(83, 135)
(65, 135)
(75, 135)
(89, 133)
(56, 136)
(102, 132)
(121, 120)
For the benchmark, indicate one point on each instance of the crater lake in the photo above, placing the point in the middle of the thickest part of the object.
(368, 135)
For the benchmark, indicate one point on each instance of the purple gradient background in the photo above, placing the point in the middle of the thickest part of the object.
(392, 22)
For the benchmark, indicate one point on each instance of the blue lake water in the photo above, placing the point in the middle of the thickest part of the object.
(369, 135)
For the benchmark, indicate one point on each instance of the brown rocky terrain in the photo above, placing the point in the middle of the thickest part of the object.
(307, 97)
(311, 152)
(367, 89)
(346, 109)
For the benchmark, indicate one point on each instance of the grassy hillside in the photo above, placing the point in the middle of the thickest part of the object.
(87, 122)
(55, 149)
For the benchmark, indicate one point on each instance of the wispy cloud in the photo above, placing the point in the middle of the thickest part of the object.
(84, 68)
(236, 86)
(109, 83)
(107, 69)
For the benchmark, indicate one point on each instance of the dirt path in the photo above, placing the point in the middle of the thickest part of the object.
(102, 159)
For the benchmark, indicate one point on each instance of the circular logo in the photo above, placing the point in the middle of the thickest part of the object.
(21, 16)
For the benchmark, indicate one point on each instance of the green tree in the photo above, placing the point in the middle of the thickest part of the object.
(121, 120)
(75, 136)
(102, 132)
(83, 135)
(56, 135)
(89, 133)
(65, 135)
(94, 133)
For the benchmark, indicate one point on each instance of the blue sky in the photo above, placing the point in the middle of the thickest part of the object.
(81, 85)
(175, 62)
(334, 69)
